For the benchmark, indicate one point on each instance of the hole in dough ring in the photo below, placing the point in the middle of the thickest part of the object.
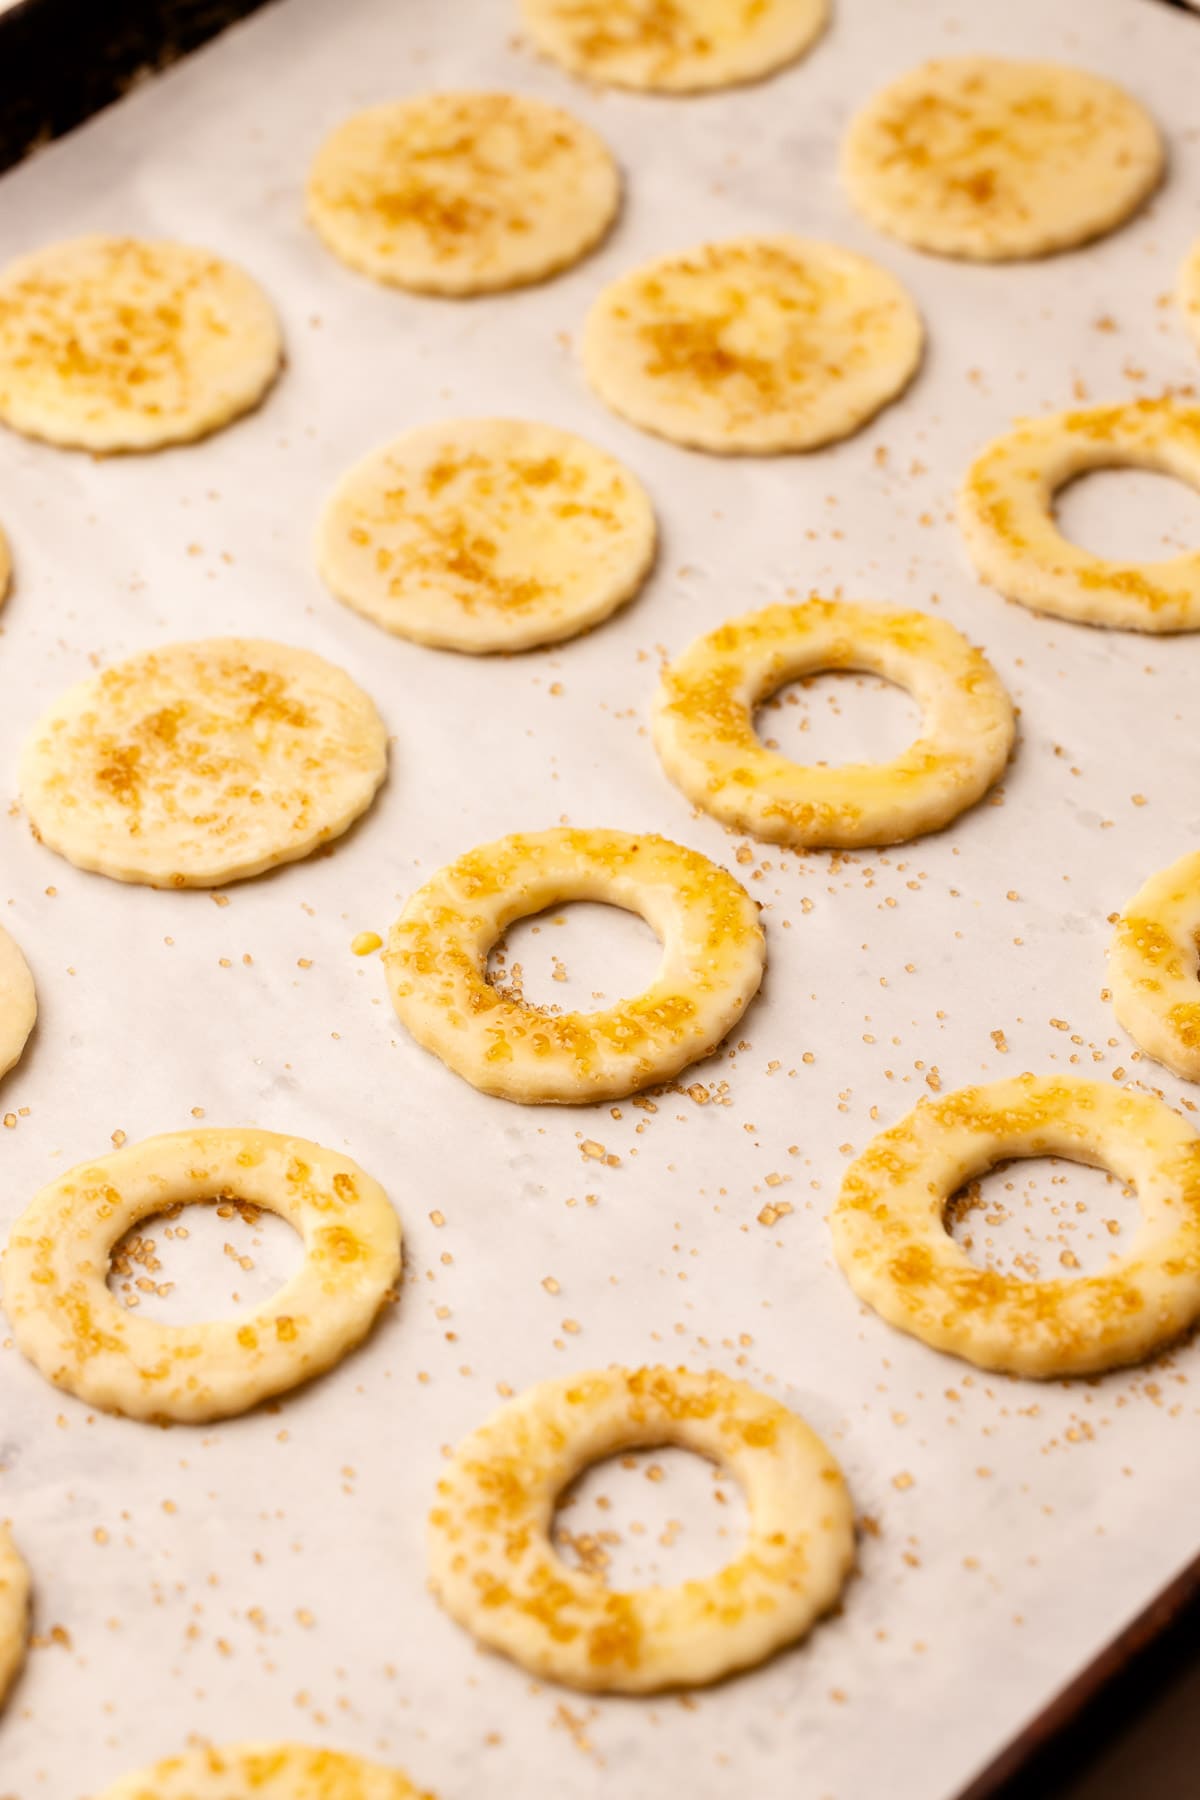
(268, 1772)
(1005, 512)
(683, 48)
(496, 1571)
(18, 1003)
(487, 534)
(82, 1339)
(753, 346)
(712, 964)
(704, 725)
(14, 1612)
(1153, 965)
(1189, 291)
(462, 193)
(891, 1242)
(123, 344)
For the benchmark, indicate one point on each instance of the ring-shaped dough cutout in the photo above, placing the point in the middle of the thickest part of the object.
(496, 1571)
(462, 193)
(990, 160)
(1153, 967)
(266, 1771)
(752, 346)
(1189, 291)
(487, 534)
(14, 1611)
(18, 1003)
(674, 46)
(704, 732)
(1005, 513)
(84, 1340)
(712, 964)
(198, 764)
(113, 344)
(891, 1242)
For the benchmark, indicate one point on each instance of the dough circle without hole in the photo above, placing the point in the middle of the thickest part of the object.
(674, 46)
(496, 1571)
(83, 1339)
(987, 159)
(893, 1247)
(1153, 965)
(704, 725)
(111, 344)
(1005, 513)
(18, 1003)
(197, 764)
(1189, 291)
(712, 964)
(752, 346)
(487, 534)
(266, 1771)
(462, 193)
(14, 1611)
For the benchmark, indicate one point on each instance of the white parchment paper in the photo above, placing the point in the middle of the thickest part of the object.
(267, 1577)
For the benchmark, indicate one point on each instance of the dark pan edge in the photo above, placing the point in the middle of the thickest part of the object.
(1131, 1670)
(65, 59)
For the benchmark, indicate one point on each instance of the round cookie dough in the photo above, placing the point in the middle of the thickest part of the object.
(712, 965)
(894, 1249)
(1005, 513)
(18, 1003)
(462, 193)
(991, 160)
(1154, 963)
(14, 1612)
(1189, 291)
(203, 763)
(753, 345)
(704, 733)
(124, 344)
(496, 1571)
(486, 534)
(266, 1771)
(81, 1337)
(674, 46)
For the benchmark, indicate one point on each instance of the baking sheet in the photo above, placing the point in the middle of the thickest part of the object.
(266, 1577)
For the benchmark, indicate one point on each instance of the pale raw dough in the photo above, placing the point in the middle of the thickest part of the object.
(462, 193)
(14, 1612)
(704, 725)
(487, 534)
(1154, 963)
(712, 965)
(124, 344)
(889, 1236)
(754, 345)
(266, 1772)
(986, 159)
(1189, 291)
(496, 1571)
(202, 763)
(1005, 512)
(674, 46)
(18, 1003)
(83, 1339)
